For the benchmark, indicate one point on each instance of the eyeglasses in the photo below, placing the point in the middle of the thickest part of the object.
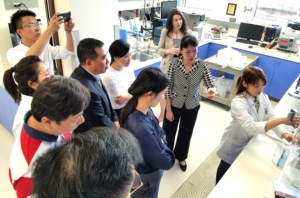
(32, 25)
(137, 183)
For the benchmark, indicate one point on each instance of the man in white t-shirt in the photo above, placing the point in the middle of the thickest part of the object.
(33, 42)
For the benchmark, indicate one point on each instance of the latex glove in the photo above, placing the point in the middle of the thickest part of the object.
(294, 123)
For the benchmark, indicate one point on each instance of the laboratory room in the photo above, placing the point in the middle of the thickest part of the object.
(214, 86)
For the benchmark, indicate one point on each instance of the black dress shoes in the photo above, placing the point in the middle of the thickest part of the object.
(183, 167)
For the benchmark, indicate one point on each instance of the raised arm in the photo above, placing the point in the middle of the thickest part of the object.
(38, 47)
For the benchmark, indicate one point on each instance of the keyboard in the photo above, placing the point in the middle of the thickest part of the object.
(247, 41)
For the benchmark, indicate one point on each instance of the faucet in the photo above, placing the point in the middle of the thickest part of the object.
(137, 45)
(123, 35)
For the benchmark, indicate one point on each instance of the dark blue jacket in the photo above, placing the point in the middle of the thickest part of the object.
(99, 112)
(151, 137)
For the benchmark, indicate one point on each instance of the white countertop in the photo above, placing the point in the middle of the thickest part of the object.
(252, 174)
(227, 42)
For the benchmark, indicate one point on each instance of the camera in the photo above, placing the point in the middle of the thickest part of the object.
(66, 16)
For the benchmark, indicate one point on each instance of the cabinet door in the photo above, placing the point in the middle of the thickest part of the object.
(268, 65)
(202, 51)
(285, 74)
(214, 48)
(136, 72)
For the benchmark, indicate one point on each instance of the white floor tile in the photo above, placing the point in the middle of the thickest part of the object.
(211, 122)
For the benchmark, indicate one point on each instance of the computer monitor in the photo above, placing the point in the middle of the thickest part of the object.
(166, 7)
(250, 31)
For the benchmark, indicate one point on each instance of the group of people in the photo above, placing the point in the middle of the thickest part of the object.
(91, 135)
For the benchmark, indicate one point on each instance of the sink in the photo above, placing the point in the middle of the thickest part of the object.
(140, 56)
(151, 52)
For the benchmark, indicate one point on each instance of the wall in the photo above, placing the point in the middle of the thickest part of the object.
(218, 12)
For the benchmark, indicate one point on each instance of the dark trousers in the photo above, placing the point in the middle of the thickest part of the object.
(187, 121)
(118, 112)
(150, 185)
(222, 169)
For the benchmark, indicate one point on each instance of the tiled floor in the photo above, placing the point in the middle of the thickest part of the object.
(212, 120)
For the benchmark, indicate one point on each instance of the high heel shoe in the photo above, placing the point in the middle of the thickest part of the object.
(183, 167)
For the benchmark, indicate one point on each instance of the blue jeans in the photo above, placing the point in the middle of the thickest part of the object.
(150, 186)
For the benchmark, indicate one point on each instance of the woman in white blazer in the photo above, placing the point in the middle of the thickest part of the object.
(251, 113)
(168, 46)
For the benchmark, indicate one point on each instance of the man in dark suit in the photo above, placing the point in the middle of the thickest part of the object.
(93, 62)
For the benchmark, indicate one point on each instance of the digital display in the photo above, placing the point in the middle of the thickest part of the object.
(283, 41)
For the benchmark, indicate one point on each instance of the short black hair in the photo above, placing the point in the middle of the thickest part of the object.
(86, 49)
(16, 18)
(188, 40)
(97, 163)
(59, 97)
(118, 48)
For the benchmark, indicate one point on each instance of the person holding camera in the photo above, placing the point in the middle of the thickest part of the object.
(34, 42)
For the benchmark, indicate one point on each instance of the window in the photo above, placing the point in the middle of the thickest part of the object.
(277, 10)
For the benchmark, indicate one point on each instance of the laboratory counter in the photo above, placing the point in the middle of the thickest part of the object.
(253, 173)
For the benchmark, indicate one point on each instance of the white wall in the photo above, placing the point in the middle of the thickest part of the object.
(216, 9)
(135, 4)
(4, 40)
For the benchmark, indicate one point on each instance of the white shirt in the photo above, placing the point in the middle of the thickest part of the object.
(246, 122)
(24, 107)
(14, 55)
(117, 83)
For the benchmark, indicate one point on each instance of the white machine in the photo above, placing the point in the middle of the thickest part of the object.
(290, 39)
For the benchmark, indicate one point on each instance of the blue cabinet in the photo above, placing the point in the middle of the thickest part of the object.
(214, 48)
(202, 52)
(285, 73)
(136, 72)
(280, 74)
(268, 65)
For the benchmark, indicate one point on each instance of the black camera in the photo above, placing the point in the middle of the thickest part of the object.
(66, 16)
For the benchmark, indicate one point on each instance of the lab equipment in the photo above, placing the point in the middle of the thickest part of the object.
(166, 7)
(193, 19)
(292, 165)
(272, 32)
(250, 32)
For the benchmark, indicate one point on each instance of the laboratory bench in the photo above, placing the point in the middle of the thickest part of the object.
(280, 67)
(253, 173)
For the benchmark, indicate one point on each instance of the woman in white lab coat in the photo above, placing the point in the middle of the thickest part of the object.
(251, 113)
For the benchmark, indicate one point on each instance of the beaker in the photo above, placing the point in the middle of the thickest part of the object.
(292, 164)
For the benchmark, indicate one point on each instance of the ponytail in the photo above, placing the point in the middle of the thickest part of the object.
(128, 109)
(10, 85)
(24, 71)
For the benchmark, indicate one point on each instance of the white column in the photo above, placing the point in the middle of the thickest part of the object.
(5, 41)
(95, 19)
